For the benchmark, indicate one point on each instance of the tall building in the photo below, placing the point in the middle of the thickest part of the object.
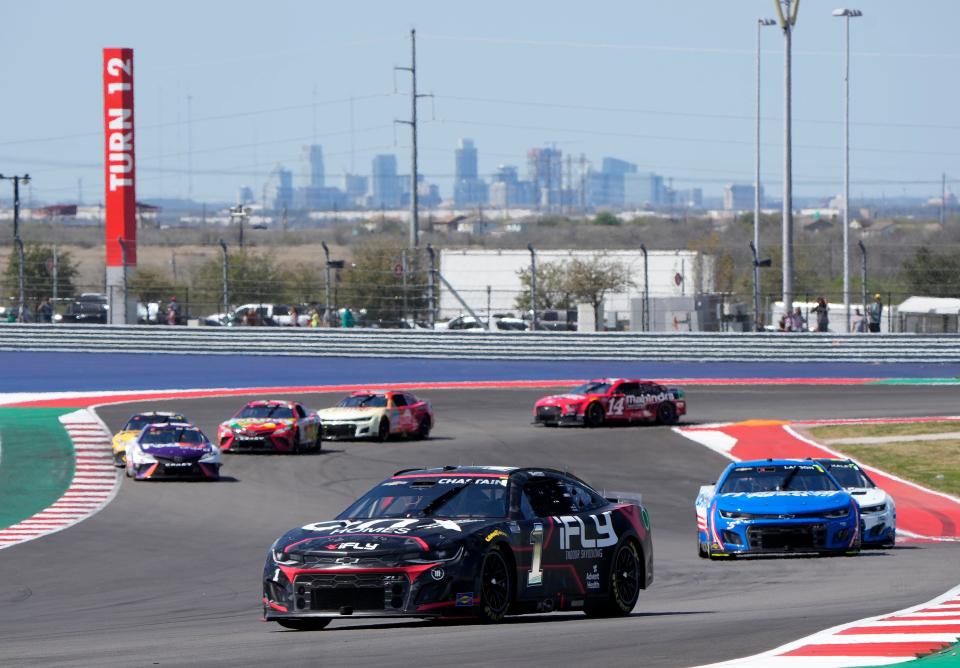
(280, 188)
(468, 188)
(386, 192)
(738, 197)
(643, 189)
(355, 188)
(545, 170)
(508, 191)
(311, 158)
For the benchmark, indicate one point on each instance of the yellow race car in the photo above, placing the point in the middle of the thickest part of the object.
(131, 430)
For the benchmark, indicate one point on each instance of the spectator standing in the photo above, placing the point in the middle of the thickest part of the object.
(315, 319)
(346, 317)
(45, 311)
(875, 313)
(294, 317)
(173, 311)
(859, 322)
(821, 309)
(250, 318)
(797, 323)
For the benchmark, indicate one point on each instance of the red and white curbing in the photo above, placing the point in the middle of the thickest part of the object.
(884, 640)
(95, 482)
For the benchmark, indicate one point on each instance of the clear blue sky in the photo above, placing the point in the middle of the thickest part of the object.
(668, 85)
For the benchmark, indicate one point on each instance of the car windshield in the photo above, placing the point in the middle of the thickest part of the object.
(592, 388)
(778, 478)
(849, 475)
(275, 411)
(432, 497)
(140, 421)
(364, 401)
(171, 435)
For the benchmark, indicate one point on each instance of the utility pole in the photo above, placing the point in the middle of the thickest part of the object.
(761, 23)
(123, 258)
(787, 15)
(414, 195)
(326, 281)
(20, 260)
(226, 280)
(189, 147)
(863, 276)
(533, 286)
(239, 213)
(56, 271)
(646, 290)
(17, 180)
(846, 14)
(431, 294)
(943, 199)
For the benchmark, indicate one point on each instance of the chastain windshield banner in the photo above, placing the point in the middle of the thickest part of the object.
(120, 169)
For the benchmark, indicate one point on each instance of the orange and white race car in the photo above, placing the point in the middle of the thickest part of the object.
(377, 415)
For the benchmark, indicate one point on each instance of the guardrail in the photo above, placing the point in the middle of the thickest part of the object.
(706, 347)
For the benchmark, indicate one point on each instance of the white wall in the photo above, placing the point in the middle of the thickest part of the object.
(471, 271)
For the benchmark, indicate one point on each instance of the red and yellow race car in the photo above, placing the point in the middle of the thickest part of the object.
(270, 426)
(612, 400)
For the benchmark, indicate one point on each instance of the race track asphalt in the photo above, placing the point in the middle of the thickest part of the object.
(168, 574)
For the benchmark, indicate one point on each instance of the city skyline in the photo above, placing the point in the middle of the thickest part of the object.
(641, 83)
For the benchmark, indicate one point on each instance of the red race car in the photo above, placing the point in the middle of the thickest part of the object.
(612, 400)
(270, 426)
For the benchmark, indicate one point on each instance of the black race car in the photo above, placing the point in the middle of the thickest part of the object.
(470, 541)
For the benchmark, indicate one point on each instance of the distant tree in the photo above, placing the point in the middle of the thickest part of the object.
(606, 218)
(553, 292)
(253, 277)
(590, 280)
(372, 283)
(931, 274)
(150, 284)
(38, 273)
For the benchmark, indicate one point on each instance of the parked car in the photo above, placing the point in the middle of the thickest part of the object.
(270, 315)
(89, 307)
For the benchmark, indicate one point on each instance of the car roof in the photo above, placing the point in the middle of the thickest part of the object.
(269, 402)
(156, 414)
(175, 425)
(770, 462)
(474, 470)
(362, 393)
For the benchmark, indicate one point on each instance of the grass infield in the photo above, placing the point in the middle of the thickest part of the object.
(933, 464)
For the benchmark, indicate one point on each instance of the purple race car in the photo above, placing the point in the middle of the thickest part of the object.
(172, 450)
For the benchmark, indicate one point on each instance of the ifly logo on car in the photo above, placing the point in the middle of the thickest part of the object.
(579, 536)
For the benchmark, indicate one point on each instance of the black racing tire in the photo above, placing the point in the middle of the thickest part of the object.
(495, 587)
(318, 440)
(423, 429)
(383, 430)
(304, 624)
(120, 459)
(702, 551)
(666, 413)
(593, 417)
(623, 585)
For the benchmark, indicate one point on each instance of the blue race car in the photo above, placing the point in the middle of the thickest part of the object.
(776, 506)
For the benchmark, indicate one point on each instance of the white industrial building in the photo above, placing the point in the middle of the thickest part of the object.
(490, 279)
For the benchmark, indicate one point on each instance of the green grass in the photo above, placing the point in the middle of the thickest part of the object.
(933, 464)
(831, 432)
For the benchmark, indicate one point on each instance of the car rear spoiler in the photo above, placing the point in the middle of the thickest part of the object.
(634, 498)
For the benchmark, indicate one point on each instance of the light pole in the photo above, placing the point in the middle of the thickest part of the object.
(533, 287)
(19, 243)
(761, 24)
(226, 281)
(17, 180)
(646, 289)
(787, 15)
(846, 14)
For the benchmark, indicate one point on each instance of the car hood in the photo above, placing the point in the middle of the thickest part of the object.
(350, 413)
(170, 451)
(783, 502)
(868, 496)
(125, 435)
(372, 537)
(258, 424)
(562, 399)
